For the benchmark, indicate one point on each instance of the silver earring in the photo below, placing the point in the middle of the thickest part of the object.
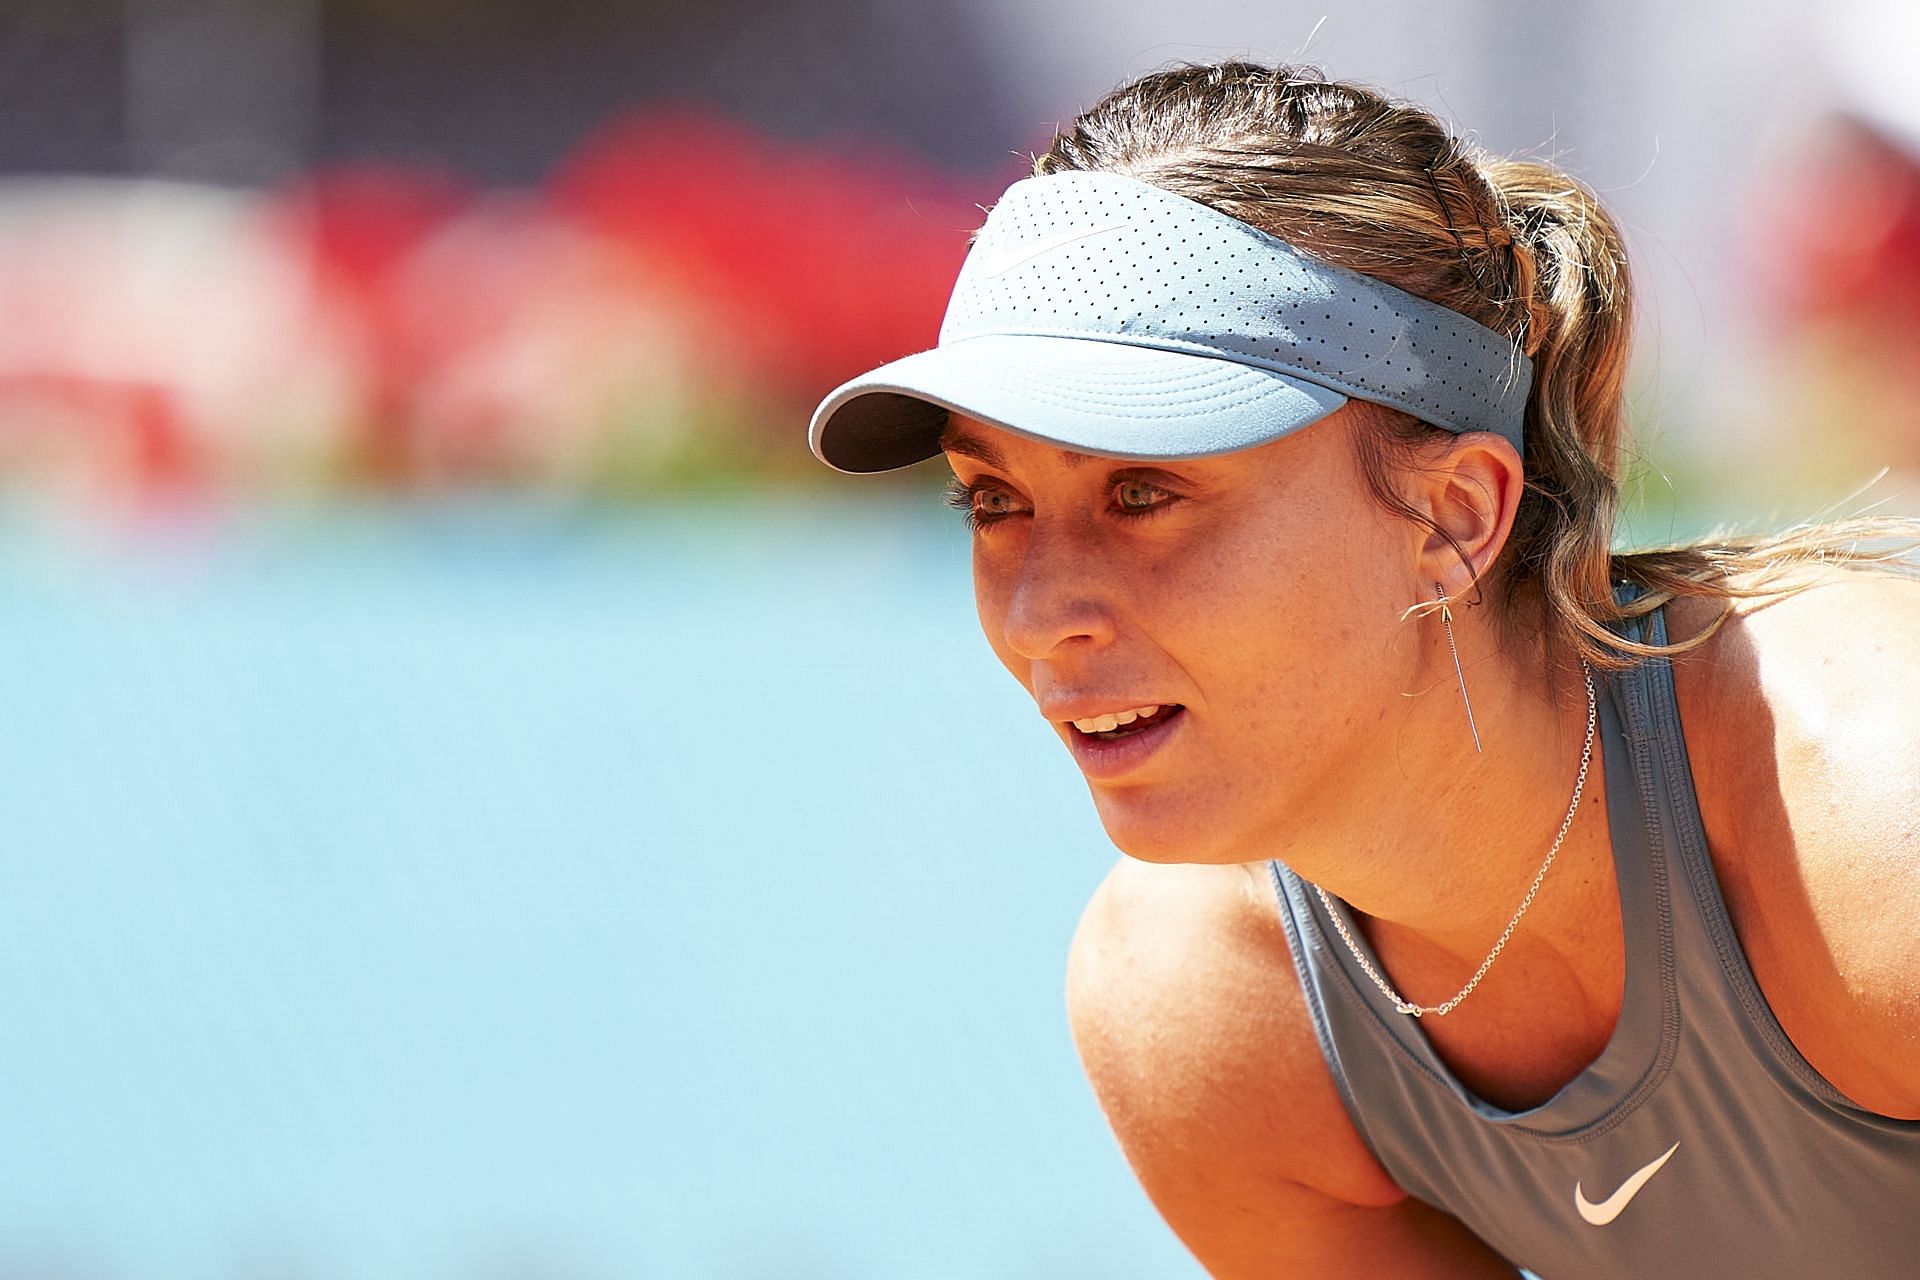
(1446, 620)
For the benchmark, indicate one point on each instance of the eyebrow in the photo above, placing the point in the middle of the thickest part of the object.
(978, 449)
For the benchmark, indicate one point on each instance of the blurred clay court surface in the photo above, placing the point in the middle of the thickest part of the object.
(484, 802)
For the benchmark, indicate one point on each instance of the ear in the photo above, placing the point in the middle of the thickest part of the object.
(1471, 491)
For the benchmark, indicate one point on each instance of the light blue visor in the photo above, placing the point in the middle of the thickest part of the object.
(1109, 316)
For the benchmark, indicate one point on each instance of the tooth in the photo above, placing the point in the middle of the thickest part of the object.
(1114, 719)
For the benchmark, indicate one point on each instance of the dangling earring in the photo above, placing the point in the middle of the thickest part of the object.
(1446, 620)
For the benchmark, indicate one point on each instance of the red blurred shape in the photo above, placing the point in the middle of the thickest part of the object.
(126, 440)
(361, 227)
(363, 222)
(814, 265)
(1838, 234)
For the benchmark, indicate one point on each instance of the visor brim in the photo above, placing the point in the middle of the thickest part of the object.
(1092, 395)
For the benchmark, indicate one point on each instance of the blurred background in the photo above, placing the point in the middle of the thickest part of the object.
(485, 802)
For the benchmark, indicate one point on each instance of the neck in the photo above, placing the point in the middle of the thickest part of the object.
(1438, 852)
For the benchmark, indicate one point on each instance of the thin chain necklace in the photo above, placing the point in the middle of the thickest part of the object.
(1403, 1005)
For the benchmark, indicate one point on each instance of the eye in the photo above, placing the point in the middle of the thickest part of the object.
(993, 503)
(980, 504)
(1141, 497)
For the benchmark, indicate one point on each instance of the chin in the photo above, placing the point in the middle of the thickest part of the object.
(1164, 834)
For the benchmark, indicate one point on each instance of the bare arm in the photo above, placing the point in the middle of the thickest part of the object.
(1192, 1029)
(1296, 1231)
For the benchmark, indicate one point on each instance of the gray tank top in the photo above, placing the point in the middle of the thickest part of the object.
(1699, 1143)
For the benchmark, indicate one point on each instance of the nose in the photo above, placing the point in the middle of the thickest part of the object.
(1059, 595)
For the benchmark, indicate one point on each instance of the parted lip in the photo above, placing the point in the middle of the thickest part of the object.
(1085, 708)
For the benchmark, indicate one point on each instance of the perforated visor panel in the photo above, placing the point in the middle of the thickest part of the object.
(1136, 322)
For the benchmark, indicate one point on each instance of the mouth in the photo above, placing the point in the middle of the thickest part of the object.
(1106, 750)
(1126, 724)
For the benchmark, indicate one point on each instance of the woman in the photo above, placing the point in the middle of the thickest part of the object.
(1491, 900)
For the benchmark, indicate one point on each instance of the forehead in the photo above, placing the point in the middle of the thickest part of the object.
(977, 440)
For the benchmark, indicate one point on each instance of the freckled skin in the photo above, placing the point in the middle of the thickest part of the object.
(1264, 594)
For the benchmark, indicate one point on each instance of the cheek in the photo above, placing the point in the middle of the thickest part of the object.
(1282, 624)
(990, 604)
(1240, 585)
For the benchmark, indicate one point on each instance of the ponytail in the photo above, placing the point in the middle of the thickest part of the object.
(1572, 282)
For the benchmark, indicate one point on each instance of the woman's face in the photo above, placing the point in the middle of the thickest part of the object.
(1253, 597)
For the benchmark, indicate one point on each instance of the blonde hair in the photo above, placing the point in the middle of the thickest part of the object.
(1381, 187)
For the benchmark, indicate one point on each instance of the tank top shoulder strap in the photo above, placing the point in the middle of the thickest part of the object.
(1718, 990)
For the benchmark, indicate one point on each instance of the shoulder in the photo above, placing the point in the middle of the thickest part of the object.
(1191, 1025)
(1802, 720)
(1812, 698)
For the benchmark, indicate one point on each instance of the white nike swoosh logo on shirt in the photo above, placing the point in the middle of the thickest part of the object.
(1609, 1209)
(1001, 258)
